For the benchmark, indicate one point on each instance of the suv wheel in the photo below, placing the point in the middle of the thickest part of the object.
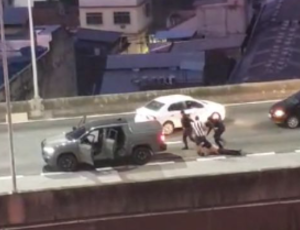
(168, 128)
(292, 122)
(141, 155)
(67, 162)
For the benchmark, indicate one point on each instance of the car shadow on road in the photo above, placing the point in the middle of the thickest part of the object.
(121, 165)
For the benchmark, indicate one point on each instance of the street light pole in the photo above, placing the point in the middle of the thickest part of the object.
(33, 54)
(8, 104)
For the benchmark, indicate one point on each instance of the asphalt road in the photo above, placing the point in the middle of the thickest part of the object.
(248, 128)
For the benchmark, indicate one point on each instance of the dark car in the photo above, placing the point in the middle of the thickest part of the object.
(287, 112)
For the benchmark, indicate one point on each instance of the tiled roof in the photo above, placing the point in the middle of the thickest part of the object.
(274, 51)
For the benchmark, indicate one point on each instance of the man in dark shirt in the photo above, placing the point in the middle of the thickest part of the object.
(187, 129)
(215, 122)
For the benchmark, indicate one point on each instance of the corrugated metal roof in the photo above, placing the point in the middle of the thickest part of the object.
(197, 45)
(15, 16)
(175, 34)
(98, 35)
(152, 60)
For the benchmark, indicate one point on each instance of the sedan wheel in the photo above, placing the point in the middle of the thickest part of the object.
(168, 128)
(292, 122)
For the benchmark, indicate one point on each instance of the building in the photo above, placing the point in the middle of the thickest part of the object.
(220, 18)
(142, 72)
(91, 49)
(220, 28)
(130, 17)
(55, 58)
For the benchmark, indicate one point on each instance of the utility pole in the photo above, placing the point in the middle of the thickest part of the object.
(8, 103)
(33, 52)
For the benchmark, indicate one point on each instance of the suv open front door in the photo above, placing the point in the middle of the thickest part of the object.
(86, 147)
(110, 142)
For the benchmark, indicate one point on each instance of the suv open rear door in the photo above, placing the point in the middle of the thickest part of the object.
(110, 143)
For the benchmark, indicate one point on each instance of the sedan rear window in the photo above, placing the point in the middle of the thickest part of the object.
(154, 105)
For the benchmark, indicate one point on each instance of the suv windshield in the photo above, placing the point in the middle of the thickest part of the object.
(76, 134)
(154, 105)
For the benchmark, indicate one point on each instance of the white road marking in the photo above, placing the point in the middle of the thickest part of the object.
(70, 118)
(104, 169)
(161, 163)
(173, 142)
(251, 103)
(128, 113)
(261, 154)
(211, 158)
(55, 173)
(9, 177)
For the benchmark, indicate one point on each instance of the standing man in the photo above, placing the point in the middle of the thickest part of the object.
(186, 122)
(215, 122)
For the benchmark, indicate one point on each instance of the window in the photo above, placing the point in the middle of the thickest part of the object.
(147, 10)
(193, 105)
(122, 18)
(111, 133)
(176, 107)
(154, 105)
(94, 19)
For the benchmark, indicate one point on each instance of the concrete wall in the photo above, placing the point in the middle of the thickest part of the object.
(221, 19)
(77, 106)
(228, 198)
(59, 69)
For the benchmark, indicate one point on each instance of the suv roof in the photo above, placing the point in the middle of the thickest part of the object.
(104, 122)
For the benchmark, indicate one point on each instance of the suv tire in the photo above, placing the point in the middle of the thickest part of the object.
(67, 162)
(141, 155)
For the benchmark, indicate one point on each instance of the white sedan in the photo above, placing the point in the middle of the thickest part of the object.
(167, 110)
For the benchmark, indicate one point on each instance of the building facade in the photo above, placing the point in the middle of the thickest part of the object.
(130, 17)
(223, 17)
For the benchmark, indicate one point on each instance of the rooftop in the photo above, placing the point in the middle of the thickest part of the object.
(104, 122)
(198, 45)
(109, 3)
(179, 34)
(162, 60)
(98, 35)
(274, 51)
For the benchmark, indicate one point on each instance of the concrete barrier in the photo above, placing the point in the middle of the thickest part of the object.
(191, 195)
(280, 216)
(65, 107)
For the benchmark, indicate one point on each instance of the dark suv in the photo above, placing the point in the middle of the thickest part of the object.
(287, 112)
